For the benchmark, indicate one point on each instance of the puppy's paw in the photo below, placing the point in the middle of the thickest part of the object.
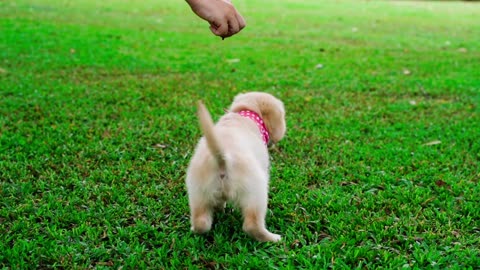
(201, 225)
(274, 237)
(199, 230)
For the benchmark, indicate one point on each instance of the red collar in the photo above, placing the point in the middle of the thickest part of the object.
(259, 121)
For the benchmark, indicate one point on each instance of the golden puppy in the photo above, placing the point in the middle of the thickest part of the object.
(231, 162)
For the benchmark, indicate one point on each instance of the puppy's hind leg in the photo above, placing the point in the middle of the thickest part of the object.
(254, 225)
(201, 216)
(201, 219)
(254, 209)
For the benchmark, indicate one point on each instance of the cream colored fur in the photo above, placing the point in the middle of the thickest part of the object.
(231, 163)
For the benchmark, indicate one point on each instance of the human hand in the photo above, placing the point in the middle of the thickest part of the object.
(224, 19)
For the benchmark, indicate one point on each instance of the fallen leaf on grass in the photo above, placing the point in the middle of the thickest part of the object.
(3, 71)
(412, 102)
(295, 243)
(234, 60)
(106, 134)
(462, 50)
(109, 263)
(432, 143)
(323, 235)
(440, 183)
(406, 72)
(418, 239)
(159, 145)
(319, 66)
(345, 183)
(427, 201)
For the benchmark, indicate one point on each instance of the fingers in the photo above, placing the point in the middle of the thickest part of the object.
(233, 26)
(220, 29)
(241, 21)
(228, 27)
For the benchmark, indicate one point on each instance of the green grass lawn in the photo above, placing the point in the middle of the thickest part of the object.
(379, 168)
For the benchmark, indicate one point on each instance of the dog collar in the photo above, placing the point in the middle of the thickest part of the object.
(259, 121)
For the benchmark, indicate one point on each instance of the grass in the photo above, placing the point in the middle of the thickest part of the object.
(379, 168)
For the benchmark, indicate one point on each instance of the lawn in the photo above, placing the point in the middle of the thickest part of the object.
(379, 167)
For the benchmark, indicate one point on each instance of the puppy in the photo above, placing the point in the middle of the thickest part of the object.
(231, 162)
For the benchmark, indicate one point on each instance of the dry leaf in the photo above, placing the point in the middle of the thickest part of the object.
(109, 263)
(406, 72)
(159, 145)
(294, 243)
(106, 134)
(440, 183)
(319, 66)
(234, 60)
(433, 143)
(413, 102)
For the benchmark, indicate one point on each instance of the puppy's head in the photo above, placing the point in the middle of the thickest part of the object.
(268, 107)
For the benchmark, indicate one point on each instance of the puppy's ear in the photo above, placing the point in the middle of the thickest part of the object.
(241, 102)
(273, 114)
(270, 108)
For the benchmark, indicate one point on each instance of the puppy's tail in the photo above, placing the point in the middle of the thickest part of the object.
(206, 124)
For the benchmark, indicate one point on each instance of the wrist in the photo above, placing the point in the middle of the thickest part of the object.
(191, 2)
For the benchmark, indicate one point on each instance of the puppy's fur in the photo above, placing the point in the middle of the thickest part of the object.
(231, 163)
